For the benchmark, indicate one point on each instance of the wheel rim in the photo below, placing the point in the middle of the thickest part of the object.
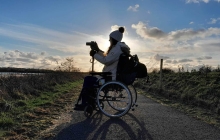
(133, 93)
(116, 98)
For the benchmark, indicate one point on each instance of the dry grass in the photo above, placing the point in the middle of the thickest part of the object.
(23, 98)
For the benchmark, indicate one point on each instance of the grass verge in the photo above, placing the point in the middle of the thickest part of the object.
(26, 114)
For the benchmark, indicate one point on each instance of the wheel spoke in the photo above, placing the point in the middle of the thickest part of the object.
(115, 97)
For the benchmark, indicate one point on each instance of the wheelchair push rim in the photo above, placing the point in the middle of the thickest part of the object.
(116, 97)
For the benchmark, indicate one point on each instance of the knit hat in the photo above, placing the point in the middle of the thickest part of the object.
(118, 34)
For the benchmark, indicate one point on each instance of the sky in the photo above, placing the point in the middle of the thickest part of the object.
(43, 33)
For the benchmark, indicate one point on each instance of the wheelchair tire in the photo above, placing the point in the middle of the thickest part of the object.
(134, 94)
(101, 105)
(116, 98)
(88, 111)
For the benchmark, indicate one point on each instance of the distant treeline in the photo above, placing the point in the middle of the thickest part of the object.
(25, 70)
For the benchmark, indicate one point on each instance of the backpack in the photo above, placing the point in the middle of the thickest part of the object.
(130, 68)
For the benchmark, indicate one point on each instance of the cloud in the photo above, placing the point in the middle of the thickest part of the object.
(116, 27)
(155, 33)
(178, 61)
(185, 60)
(42, 53)
(186, 34)
(214, 20)
(24, 60)
(208, 46)
(29, 55)
(146, 32)
(197, 1)
(192, 1)
(18, 58)
(158, 57)
(171, 61)
(190, 34)
(133, 8)
(206, 1)
(204, 58)
(191, 22)
(53, 58)
(183, 46)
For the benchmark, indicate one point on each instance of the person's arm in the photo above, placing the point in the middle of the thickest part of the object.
(110, 58)
(101, 53)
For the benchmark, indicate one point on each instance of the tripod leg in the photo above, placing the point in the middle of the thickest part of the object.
(93, 64)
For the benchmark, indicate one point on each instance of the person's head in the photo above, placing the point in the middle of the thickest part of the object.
(115, 37)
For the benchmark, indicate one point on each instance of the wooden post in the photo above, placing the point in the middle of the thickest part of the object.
(161, 67)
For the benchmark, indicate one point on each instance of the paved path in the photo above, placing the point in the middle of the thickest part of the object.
(149, 121)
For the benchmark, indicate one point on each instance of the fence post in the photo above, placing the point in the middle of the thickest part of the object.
(161, 67)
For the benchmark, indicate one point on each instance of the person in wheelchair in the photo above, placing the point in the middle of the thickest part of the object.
(110, 61)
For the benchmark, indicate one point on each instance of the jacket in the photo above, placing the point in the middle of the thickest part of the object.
(111, 60)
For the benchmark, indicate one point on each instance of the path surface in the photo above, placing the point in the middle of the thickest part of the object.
(149, 121)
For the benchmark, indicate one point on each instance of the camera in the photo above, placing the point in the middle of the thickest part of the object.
(93, 45)
(90, 43)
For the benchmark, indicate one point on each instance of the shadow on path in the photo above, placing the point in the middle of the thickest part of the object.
(101, 127)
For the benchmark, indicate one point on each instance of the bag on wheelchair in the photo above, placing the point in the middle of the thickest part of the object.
(141, 70)
(130, 68)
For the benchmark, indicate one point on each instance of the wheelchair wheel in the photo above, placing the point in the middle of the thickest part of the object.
(134, 94)
(116, 98)
(88, 110)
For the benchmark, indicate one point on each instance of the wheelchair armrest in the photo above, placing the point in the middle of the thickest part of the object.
(101, 73)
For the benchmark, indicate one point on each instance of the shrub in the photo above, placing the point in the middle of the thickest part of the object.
(154, 71)
(205, 69)
(167, 70)
(217, 69)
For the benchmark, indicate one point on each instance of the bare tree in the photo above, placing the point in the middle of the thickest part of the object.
(68, 65)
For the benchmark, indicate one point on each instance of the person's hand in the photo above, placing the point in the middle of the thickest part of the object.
(92, 53)
(94, 46)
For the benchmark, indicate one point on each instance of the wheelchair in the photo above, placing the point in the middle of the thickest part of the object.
(113, 98)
